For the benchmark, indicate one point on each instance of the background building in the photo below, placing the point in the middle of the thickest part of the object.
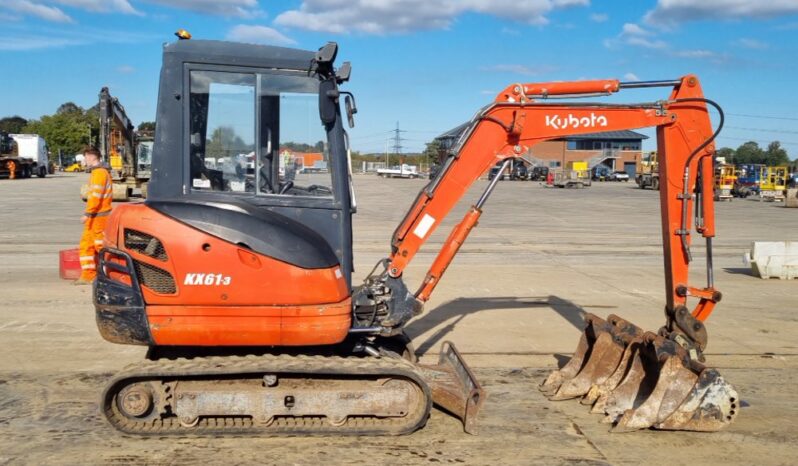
(619, 150)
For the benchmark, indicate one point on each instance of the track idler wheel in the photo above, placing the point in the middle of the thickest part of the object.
(642, 380)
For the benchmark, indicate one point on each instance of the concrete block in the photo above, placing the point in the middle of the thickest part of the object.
(773, 259)
(792, 198)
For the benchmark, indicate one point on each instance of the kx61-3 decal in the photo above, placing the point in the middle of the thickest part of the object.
(207, 279)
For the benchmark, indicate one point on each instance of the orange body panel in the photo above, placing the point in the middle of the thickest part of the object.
(228, 295)
(250, 325)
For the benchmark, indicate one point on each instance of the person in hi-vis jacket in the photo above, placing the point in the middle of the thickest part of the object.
(98, 208)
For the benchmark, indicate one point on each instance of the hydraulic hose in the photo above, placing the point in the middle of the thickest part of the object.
(686, 177)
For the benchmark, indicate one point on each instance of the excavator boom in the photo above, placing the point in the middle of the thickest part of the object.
(524, 115)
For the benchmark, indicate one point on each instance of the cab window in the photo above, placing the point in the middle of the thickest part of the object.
(222, 131)
(296, 160)
(257, 133)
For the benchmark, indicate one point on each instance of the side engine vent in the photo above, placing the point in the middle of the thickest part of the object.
(154, 278)
(145, 244)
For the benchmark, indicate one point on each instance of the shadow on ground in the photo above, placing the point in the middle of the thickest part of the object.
(456, 310)
(738, 271)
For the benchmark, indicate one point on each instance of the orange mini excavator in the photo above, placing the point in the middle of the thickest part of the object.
(236, 271)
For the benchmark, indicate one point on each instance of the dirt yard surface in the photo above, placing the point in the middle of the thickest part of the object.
(512, 302)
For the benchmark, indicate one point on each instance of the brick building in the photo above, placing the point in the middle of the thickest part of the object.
(619, 150)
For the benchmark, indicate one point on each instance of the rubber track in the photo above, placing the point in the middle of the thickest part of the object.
(246, 366)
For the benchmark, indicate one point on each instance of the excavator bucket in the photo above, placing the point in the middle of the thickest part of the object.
(642, 380)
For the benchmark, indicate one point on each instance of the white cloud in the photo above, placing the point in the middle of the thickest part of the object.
(397, 16)
(228, 8)
(631, 77)
(750, 44)
(258, 35)
(101, 6)
(632, 29)
(701, 54)
(599, 17)
(29, 8)
(646, 43)
(671, 12)
(697, 53)
(633, 34)
(9, 17)
(522, 70)
(125, 69)
(38, 37)
(26, 43)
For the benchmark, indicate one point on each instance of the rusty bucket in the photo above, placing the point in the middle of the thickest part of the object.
(642, 380)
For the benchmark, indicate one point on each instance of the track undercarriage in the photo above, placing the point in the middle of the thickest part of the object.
(283, 394)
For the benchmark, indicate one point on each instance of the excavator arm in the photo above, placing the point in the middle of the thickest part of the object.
(638, 379)
(522, 116)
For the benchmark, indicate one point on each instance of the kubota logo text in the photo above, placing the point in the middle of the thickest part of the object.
(571, 121)
(207, 279)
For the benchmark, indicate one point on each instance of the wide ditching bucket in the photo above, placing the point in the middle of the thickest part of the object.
(642, 380)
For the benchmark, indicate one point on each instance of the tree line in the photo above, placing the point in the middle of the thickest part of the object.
(750, 152)
(68, 130)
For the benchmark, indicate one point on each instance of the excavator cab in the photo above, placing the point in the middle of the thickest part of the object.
(252, 133)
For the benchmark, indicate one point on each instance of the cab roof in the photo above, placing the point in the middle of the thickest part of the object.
(240, 54)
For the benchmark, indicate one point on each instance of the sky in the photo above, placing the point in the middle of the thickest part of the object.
(426, 65)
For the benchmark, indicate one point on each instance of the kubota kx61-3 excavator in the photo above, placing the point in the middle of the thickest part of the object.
(236, 271)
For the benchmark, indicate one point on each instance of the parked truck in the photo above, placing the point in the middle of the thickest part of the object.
(401, 171)
(24, 154)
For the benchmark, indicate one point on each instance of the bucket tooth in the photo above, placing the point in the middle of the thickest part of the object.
(583, 350)
(602, 363)
(598, 393)
(638, 383)
(711, 405)
(624, 333)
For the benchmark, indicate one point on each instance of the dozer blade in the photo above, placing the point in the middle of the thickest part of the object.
(643, 380)
(454, 387)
